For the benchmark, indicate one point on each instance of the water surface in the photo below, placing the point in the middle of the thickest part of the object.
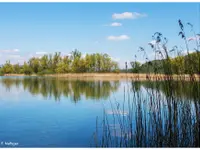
(52, 112)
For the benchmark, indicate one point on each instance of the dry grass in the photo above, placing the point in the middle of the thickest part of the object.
(117, 76)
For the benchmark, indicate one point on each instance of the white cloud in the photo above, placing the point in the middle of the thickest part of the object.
(115, 24)
(41, 53)
(14, 56)
(193, 38)
(83, 55)
(128, 15)
(118, 38)
(152, 42)
(69, 55)
(21, 60)
(66, 54)
(9, 50)
(185, 52)
(115, 59)
(16, 50)
(37, 54)
(142, 61)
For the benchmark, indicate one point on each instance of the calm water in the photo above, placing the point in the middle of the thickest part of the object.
(50, 112)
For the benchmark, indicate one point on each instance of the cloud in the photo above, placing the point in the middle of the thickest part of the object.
(69, 55)
(14, 56)
(152, 42)
(21, 60)
(118, 38)
(66, 53)
(193, 38)
(128, 15)
(37, 54)
(10, 50)
(115, 59)
(16, 50)
(83, 55)
(115, 24)
(41, 53)
(185, 52)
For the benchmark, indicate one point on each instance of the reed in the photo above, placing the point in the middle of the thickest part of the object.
(152, 119)
(153, 114)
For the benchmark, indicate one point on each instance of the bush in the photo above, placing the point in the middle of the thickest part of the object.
(46, 71)
(28, 71)
(1, 73)
(116, 71)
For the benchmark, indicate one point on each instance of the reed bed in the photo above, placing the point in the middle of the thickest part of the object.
(118, 76)
(154, 115)
(150, 118)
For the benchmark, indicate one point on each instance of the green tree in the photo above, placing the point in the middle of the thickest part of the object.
(27, 69)
(56, 60)
(16, 68)
(44, 62)
(8, 68)
(64, 65)
(76, 61)
(34, 64)
(135, 66)
(56, 64)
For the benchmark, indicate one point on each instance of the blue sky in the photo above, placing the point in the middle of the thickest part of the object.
(32, 29)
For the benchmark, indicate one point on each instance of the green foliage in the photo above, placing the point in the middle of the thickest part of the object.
(34, 64)
(175, 65)
(58, 64)
(27, 69)
(62, 68)
(46, 71)
(44, 62)
(17, 68)
(135, 66)
(1, 72)
(7, 68)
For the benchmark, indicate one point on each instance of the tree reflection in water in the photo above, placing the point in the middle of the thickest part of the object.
(55, 87)
(152, 114)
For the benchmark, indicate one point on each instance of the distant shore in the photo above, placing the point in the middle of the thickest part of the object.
(116, 76)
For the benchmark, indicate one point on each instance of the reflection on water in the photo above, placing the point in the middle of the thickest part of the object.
(179, 89)
(136, 113)
(158, 114)
(49, 87)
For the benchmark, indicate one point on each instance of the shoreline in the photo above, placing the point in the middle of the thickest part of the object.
(116, 76)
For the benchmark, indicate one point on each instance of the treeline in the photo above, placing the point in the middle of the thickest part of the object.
(75, 63)
(177, 65)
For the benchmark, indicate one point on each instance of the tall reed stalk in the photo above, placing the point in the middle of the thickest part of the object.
(152, 119)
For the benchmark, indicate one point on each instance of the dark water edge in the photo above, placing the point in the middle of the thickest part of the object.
(53, 112)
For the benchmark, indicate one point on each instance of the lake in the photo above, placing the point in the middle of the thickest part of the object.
(58, 112)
